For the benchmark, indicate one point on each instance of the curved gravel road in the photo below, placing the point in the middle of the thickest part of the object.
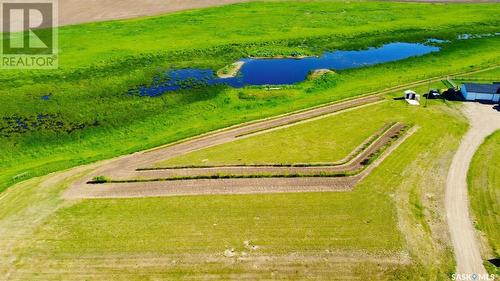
(484, 120)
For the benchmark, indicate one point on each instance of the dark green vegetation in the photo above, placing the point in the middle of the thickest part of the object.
(484, 192)
(89, 116)
(371, 233)
(448, 83)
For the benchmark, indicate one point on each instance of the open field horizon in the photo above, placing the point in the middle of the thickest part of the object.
(77, 12)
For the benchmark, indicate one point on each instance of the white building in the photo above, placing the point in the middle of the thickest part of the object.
(412, 98)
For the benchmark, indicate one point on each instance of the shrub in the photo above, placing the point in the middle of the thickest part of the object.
(100, 179)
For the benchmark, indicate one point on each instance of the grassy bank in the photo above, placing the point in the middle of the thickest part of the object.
(484, 191)
(100, 125)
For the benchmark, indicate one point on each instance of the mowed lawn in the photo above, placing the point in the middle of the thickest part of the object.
(328, 139)
(484, 190)
(376, 231)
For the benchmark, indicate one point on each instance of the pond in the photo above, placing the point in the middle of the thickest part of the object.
(283, 71)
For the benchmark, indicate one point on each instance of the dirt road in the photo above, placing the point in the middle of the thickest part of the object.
(484, 120)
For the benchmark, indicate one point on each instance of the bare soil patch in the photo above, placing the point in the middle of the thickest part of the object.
(319, 72)
(78, 11)
(230, 70)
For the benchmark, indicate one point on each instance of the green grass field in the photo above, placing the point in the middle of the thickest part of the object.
(391, 227)
(327, 140)
(484, 191)
(298, 235)
(487, 77)
(90, 116)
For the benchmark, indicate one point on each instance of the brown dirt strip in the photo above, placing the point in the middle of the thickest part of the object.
(218, 186)
(353, 166)
(228, 186)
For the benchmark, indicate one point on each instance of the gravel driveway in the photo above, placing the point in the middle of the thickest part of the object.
(484, 120)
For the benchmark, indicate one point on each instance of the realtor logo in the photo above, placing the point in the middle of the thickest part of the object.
(28, 34)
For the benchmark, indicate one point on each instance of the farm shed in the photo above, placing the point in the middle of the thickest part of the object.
(485, 92)
(412, 98)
